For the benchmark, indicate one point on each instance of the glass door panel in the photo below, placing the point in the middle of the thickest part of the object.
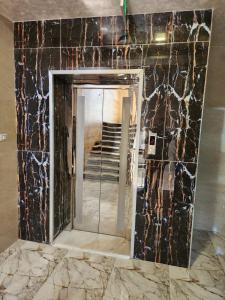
(89, 136)
(111, 146)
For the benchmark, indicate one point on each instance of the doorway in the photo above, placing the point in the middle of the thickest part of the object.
(105, 132)
(97, 124)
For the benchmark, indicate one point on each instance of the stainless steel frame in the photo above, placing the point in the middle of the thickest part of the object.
(138, 73)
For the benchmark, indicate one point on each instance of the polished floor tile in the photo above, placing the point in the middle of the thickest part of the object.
(36, 271)
(93, 241)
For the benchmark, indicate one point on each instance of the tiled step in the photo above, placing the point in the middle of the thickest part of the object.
(111, 124)
(106, 148)
(106, 154)
(102, 176)
(102, 169)
(104, 162)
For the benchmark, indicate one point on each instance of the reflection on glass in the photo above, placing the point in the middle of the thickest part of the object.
(109, 122)
(91, 188)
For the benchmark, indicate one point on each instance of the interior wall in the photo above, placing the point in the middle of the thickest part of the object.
(210, 200)
(174, 81)
(63, 128)
(8, 160)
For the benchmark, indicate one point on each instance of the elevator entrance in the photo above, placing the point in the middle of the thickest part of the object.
(105, 132)
(95, 120)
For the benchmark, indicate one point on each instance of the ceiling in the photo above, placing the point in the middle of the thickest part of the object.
(21, 10)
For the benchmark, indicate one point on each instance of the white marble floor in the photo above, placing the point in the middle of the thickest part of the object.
(93, 241)
(35, 271)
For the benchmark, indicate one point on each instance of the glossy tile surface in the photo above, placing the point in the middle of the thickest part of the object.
(172, 49)
(45, 272)
(94, 242)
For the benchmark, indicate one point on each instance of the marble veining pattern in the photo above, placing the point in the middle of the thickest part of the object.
(35, 271)
(172, 49)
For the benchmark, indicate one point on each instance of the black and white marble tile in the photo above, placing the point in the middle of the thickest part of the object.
(165, 212)
(185, 101)
(172, 49)
(192, 26)
(86, 57)
(37, 34)
(33, 170)
(32, 96)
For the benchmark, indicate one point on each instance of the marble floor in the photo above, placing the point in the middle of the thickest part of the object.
(93, 242)
(36, 271)
(99, 207)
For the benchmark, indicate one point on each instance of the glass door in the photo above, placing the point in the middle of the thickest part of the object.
(88, 158)
(103, 132)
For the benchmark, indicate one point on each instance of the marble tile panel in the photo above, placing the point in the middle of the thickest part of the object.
(26, 34)
(134, 280)
(49, 33)
(32, 94)
(204, 258)
(86, 57)
(156, 70)
(120, 34)
(162, 27)
(139, 29)
(27, 267)
(33, 169)
(192, 26)
(183, 290)
(127, 57)
(37, 34)
(218, 242)
(148, 28)
(72, 32)
(164, 236)
(84, 276)
(94, 242)
(206, 281)
(185, 101)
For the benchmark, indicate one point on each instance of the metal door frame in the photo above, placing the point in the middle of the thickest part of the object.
(140, 74)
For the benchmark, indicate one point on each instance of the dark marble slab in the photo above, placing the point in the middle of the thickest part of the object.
(32, 96)
(184, 182)
(192, 26)
(86, 57)
(120, 34)
(172, 106)
(162, 27)
(26, 34)
(87, 32)
(37, 34)
(169, 182)
(155, 62)
(72, 32)
(164, 219)
(127, 57)
(63, 123)
(139, 29)
(185, 101)
(33, 170)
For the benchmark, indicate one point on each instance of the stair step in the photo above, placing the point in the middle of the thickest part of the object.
(112, 124)
(105, 153)
(101, 169)
(105, 148)
(105, 177)
(103, 162)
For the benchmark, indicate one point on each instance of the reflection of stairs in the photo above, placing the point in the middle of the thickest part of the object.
(104, 158)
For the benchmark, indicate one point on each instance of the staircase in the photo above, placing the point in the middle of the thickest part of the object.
(104, 159)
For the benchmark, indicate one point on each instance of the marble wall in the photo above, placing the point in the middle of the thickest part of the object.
(172, 49)
(63, 124)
